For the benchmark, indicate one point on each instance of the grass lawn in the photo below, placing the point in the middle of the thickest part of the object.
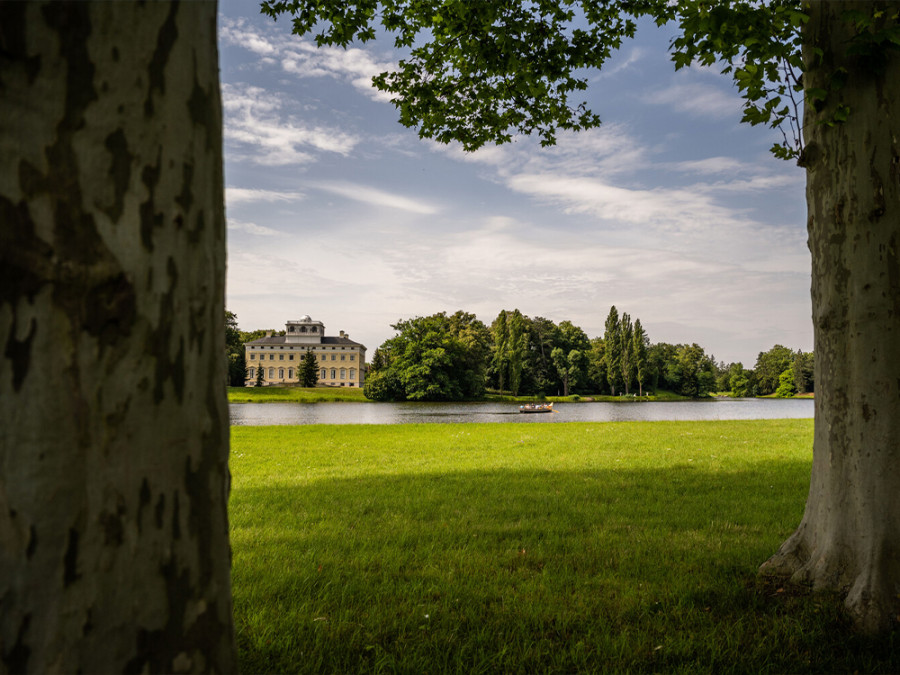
(528, 548)
(294, 394)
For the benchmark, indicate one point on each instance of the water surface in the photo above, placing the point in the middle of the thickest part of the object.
(410, 413)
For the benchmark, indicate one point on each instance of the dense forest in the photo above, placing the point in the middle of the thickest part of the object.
(452, 357)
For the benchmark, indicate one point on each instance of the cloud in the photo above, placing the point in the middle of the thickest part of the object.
(235, 196)
(660, 208)
(302, 58)
(240, 33)
(760, 183)
(375, 197)
(699, 100)
(607, 151)
(251, 228)
(256, 124)
(503, 263)
(616, 65)
(711, 165)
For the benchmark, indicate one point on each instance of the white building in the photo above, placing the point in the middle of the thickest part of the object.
(341, 361)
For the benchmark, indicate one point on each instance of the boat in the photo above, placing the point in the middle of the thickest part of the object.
(536, 408)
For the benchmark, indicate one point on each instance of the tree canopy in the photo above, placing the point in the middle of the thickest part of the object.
(432, 358)
(481, 73)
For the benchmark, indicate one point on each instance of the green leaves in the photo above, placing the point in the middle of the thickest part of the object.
(481, 72)
(433, 358)
(759, 43)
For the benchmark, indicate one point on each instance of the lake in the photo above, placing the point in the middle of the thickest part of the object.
(264, 414)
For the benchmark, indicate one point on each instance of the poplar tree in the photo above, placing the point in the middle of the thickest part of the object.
(500, 348)
(517, 348)
(612, 338)
(639, 350)
(626, 351)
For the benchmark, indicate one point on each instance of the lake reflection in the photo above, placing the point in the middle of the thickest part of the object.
(413, 413)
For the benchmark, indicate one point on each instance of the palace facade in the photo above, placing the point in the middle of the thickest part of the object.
(341, 361)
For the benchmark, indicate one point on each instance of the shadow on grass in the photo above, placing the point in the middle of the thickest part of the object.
(540, 571)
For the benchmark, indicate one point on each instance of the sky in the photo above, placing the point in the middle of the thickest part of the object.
(671, 210)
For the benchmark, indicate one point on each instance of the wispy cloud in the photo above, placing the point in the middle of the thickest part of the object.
(620, 63)
(235, 196)
(256, 122)
(302, 58)
(663, 209)
(698, 100)
(375, 197)
(251, 228)
(606, 151)
(711, 165)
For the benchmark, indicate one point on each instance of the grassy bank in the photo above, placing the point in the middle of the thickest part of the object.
(294, 394)
(659, 395)
(333, 394)
(618, 547)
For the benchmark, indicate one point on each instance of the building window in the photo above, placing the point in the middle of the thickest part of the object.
(252, 357)
(271, 373)
(281, 373)
(353, 357)
(251, 373)
(343, 373)
(281, 357)
(353, 373)
(271, 357)
(333, 357)
(291, 357)
(322, 375)
(343, 357)
(333, 374)
(290, 373)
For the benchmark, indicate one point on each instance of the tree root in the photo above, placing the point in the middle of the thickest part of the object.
(871, 591)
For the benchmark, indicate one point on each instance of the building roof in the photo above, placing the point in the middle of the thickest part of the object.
(280, 340)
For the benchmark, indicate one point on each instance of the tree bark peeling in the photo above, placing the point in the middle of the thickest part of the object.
(849, 537)
(114, 548)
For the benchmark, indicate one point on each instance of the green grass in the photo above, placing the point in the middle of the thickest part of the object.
(294, 394)
(528, 548)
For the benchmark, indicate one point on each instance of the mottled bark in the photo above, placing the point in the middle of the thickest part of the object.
(114, 549)
(849, 538)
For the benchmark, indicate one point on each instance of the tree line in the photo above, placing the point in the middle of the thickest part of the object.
(456, 357)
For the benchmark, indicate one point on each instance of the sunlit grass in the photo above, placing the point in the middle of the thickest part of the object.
(294, 394)
(466, 548)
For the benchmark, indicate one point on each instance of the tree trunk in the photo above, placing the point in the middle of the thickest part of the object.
(849, 537)
(114, 551)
